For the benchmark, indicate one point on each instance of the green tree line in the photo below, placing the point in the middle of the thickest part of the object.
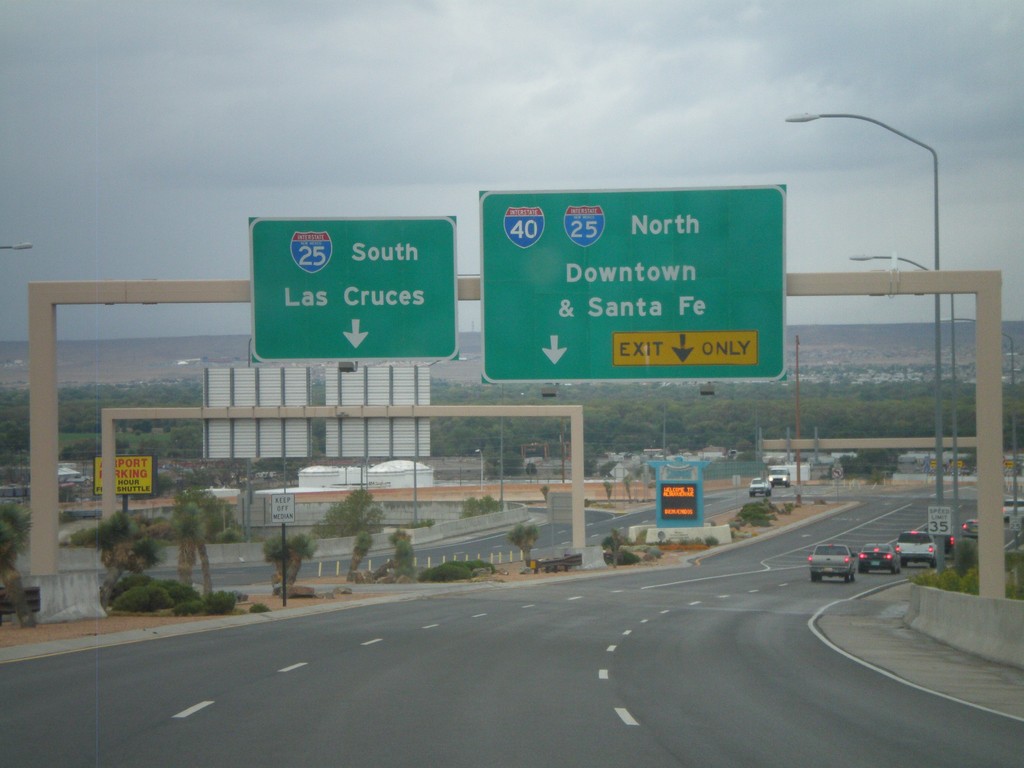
(618, 418)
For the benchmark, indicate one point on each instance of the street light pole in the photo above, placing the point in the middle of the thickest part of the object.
(806, 118)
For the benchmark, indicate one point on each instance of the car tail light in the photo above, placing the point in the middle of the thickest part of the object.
(809, 558)
(931, 548)
(888, 556)
(846, 559)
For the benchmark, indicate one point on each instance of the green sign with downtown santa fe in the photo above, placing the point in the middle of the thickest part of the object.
(353, 289)
(633, 285)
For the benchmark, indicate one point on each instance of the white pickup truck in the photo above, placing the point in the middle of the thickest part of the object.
(832, 560)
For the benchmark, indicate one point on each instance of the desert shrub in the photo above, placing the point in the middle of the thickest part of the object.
(130, 581)
(180, 593)
(949, 580)
(966, 555)
(447, 572)
(757, 513)
(159, 529)
(969, 582)
(86, 537)
(147, 598)
(626, 557)
(258, 608)
(609, 541)
(711, 541)
(230, 535)
(189, 608)
(473, 507)
(474, 564)
(220, 603)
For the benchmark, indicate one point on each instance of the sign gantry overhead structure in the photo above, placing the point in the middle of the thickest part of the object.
(633, 285)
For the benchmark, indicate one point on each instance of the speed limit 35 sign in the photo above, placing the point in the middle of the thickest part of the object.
(940, 520)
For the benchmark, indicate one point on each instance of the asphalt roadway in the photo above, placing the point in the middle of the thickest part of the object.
(867, 628)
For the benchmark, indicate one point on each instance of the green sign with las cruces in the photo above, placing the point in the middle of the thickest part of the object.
(353, 289)
(633, 285)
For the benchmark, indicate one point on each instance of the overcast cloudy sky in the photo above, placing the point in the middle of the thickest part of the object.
(137, 138)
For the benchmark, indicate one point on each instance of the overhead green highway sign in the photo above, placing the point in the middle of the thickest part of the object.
(353, 289)
(640, 284)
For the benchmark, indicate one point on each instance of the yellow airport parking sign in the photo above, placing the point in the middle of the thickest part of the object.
(134, 475)
(691, 348)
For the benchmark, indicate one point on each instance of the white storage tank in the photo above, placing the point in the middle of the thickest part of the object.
(329, 477)
(400, 473)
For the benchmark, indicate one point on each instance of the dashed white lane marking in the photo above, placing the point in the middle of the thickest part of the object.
(665, 611)
(375, 640)
(723, 597)
(531, 605)
(193, 709)
(624, 715)
(430, 626)
(752, 591)
(478, 615)
(611, 648)
(294, 666)
(602, 674)
(577, 597)
(695, 602)
(644, 621)
(628, 632)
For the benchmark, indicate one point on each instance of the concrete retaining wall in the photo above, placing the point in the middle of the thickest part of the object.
(988, 627)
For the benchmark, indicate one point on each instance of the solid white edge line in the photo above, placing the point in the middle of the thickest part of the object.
(193, 709)
(624, 715)
(812, 625)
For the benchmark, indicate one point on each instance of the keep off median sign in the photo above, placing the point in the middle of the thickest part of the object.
(282, 508)
(353, 289)
(632, 285)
